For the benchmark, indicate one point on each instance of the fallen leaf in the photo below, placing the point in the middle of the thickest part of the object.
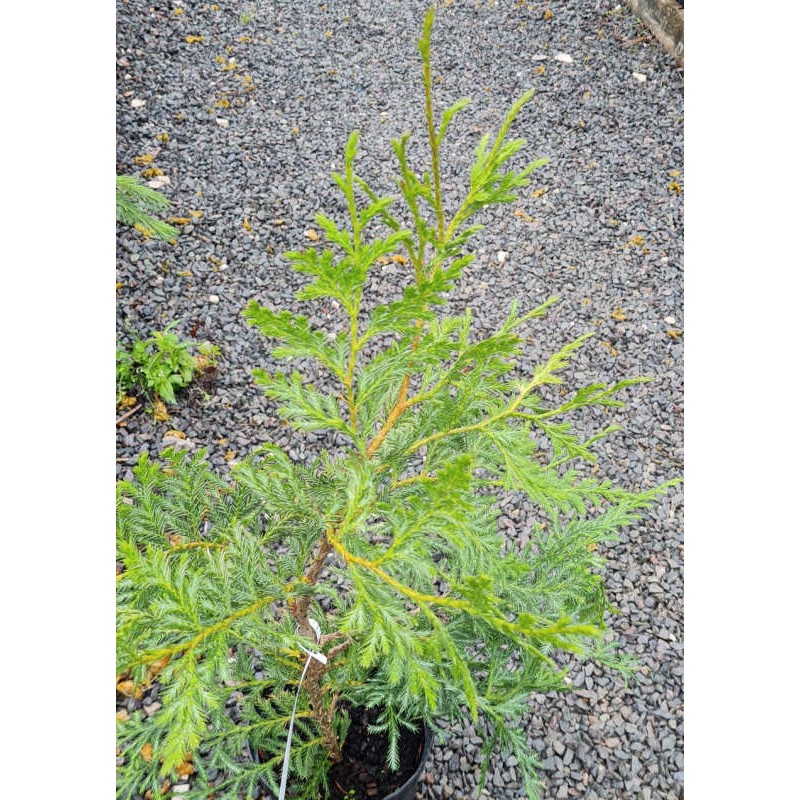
(540, 70)
(119, 285)
(674, 173)
(618, 314)
(674, 186)
(394, 259)
(162, 137)
(160, 413)
(179, 220)
(129, 689)
(196, 214)
(230, 455)
(185, 273)
(637, 240)
(539, 192)
(246, 225)
(186, 768)
(674, 334)
(587, 301)
(194, 39)
(312, 234)
(525, 217)
(611, 349)
(175, 434)
(126, 402)
(177, 12)
(143, 160)
(123, 715)
(151, 172)
(548, 14)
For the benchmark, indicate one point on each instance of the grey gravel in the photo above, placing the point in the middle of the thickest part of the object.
(246, 127)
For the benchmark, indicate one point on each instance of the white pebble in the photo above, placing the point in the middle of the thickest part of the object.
(213, 298)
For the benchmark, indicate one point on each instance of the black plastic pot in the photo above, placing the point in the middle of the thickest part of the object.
(405, 792)
(409, 789)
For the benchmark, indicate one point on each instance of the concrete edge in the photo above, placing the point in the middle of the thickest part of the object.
(665, 19)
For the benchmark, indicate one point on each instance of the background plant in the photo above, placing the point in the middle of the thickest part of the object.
(162, 363)
(390, 544)
(136, 205)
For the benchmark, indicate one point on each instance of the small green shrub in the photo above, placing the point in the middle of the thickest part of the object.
(376, 576)
(161, 364)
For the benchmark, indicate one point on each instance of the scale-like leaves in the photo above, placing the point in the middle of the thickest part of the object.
(300, 404)
(298, 338)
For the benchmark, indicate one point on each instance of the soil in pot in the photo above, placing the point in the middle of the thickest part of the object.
(362, 774)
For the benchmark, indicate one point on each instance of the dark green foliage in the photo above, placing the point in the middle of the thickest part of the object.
(393, 545)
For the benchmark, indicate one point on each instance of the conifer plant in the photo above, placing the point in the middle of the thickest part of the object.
(278, 600)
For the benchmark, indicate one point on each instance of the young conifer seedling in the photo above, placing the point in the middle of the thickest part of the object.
(290, 596)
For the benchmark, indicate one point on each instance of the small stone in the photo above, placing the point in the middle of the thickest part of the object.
(639, 77)
(223, 123)
(213, 298)
(180, 788)
(159, 182)
(564, 58)
(502, 257)
(137, 102)
(151, 708)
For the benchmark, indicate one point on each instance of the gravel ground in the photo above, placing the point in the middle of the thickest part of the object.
(247, 123)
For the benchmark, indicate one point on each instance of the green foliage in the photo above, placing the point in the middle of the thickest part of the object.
(392, 545)
(136, 204)
(162, 363)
